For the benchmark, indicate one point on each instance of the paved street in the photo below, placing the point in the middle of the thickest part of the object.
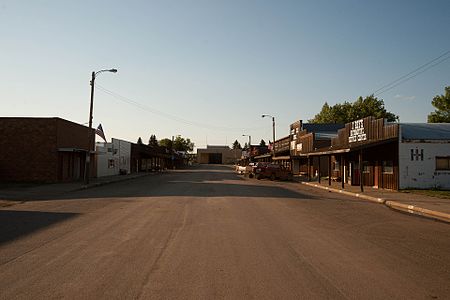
(207, 233)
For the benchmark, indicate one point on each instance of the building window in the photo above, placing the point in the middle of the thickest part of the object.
(337, 166)
(442, 163)
(366, 167)
(388, 167)
(110, 163)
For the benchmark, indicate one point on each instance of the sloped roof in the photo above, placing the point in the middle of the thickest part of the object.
(323, 131)
(425, 131)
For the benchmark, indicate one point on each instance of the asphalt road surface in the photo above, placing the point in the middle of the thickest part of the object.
(207, 233)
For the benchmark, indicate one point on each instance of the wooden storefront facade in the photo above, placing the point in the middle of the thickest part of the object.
(364, 153)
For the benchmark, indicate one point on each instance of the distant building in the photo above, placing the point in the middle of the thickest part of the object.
(218, 155)
(308, 137)
(146, 158)
(113, 158)
(44, 150)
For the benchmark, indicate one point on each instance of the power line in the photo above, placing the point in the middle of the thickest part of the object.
(166, 115)
(430, 64)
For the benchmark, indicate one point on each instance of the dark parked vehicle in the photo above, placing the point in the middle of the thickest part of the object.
(272, 171)
(251, 168)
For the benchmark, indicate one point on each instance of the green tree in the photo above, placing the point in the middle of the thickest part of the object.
(237, 145)
(153, 141)
(182, 144)
(442, 105)
(246, 146)
(166, 143)
(262, 143)
(348, 112)
(139, 141)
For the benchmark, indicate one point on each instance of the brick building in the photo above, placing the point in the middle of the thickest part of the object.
(43, 150)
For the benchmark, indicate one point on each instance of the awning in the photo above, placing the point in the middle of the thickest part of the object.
(72, 150)
(281, 158)
(262, 156)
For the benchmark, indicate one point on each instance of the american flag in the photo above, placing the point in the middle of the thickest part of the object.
(99, 132)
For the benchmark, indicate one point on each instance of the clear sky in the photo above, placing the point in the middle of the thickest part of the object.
(207, 70)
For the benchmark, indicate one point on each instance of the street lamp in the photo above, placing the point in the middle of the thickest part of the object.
(273, 130)
(249, 146)
(249, 139)
(88, 153)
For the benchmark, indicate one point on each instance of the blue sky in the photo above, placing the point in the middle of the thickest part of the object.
(207, 70)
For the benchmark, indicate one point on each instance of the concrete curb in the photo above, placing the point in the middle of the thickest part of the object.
(362, 196)
(415, 210)
(412, 209)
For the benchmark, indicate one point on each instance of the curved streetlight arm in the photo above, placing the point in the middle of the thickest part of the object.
(273, 130)
(109, 70)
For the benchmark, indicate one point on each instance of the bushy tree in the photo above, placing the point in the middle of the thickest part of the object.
(442, 105)
(139, 141)
(166, 143)
(182, 144)
(262, 143)
(237, 145)
(178, 144)
(348, 112)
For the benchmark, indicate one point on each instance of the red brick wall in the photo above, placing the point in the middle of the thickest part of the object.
(28, 149)
(73, 135)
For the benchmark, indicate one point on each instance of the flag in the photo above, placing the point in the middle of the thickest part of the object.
(99, 132)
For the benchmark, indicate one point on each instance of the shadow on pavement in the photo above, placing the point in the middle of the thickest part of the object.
(15, 224)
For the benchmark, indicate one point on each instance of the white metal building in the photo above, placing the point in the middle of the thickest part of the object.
(424, 156)
(113, 158)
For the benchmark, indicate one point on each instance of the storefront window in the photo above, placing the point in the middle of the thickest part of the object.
(336, 166)
(388, 167)
(443, 163)
(366, 167)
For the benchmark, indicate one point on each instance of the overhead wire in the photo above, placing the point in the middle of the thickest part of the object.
(414, 73)
(166, 115)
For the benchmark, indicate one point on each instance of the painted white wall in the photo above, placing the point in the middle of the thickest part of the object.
(119, 151)
(123, 154)
(422, 174)
(105, 153)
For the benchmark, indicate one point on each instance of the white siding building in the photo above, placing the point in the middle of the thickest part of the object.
(113, 158)
(424, 156)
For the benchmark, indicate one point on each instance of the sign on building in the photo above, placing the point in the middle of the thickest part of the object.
(357, 132)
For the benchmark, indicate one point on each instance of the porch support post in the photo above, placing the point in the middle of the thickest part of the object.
(361, 183)
(329, 169)
(318, 171)
(309, 169)
(342, 171)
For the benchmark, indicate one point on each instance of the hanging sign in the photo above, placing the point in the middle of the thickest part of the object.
(357, 132)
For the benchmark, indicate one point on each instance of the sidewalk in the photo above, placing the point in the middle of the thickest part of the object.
(427, 206)
(11, 194)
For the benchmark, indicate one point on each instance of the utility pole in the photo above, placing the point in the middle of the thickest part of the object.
(87, 166)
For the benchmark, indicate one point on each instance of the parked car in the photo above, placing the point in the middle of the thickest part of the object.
(272, 171)
(251, 168)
